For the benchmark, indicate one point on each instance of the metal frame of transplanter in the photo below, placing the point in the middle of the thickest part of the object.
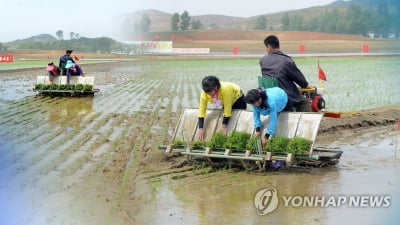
(290, 124)
(63, 80)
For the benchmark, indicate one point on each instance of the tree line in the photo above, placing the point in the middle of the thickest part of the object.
(355, 20)
(83, 44)
(184, 21)
(72, 35)
(3, 48)
(179, 22)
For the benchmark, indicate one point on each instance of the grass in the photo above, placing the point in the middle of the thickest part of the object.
(354, 83)
(20, 64)
(24, 64)
(321, 46)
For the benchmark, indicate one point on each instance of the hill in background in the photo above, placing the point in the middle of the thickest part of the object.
(302, 19)
(40, 38)
(222, 33)
(365, 3)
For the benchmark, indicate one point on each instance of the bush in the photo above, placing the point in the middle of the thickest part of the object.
(277, 144)
(299, 145)
(38, 86)
(88, 87)
(63, 86)
(252, 144)
(70, 87)
(237, 140)
(79, 87)
(179, 144)
(54, 87)
(199, 144)
(218, 140)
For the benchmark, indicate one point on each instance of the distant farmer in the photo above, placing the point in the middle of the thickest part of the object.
(53, 71)
(279, 65)
(265, 102)
(64, 59)
(221, 94)
(72, 69)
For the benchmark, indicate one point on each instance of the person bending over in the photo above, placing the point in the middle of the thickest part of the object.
(221, 94)
(265, 102)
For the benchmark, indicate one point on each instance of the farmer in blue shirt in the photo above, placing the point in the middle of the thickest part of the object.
(270, 102)
(63, 61)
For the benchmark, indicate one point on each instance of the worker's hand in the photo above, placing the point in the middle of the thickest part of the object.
(201, 134)
(224, 129)
(264, 142)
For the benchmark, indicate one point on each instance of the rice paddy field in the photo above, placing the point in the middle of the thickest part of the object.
(354, 83)
(94, 160)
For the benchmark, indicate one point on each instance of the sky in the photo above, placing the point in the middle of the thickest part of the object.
(20, 19)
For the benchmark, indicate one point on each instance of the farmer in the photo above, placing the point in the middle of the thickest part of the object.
(270, 102)
(63, 61)
(53, 71)
(76, 70)
(225, 94)
(279, 65)
(72, 69)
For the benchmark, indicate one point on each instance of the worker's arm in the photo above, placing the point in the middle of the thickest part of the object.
(296, 75)
(202, 115)
(202, 106)
(256, 120)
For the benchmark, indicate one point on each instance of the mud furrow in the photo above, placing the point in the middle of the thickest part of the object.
(99, 150)
(116, 96)
(59, 142)
(43, 152)
(36, 115)
(128, 181)
(137, 99)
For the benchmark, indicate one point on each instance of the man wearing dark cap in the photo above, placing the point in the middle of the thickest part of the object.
(63, 61)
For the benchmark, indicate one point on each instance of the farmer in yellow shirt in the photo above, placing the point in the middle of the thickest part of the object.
(225, 94)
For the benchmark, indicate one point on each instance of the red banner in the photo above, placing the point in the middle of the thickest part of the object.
(6, 58)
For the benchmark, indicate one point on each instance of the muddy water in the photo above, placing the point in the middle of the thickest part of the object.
(95, 160)
(368, 168)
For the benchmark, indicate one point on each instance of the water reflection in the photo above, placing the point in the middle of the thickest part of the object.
(366, 169)
(62, 112)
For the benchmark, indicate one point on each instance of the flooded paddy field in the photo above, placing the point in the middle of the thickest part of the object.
(94, 160)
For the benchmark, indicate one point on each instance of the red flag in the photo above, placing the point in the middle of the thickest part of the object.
(235, 50)
(365, 48)
(302, 48)
(76, 58)
(321, 74)
(398, 125)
